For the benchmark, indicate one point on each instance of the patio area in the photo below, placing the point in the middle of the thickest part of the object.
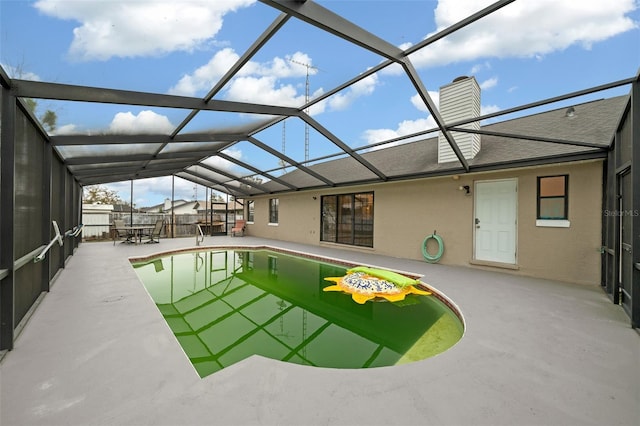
(96, 351)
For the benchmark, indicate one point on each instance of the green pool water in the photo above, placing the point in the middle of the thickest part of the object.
(224, 306)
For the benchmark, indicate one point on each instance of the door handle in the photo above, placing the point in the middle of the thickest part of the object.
(477, 221)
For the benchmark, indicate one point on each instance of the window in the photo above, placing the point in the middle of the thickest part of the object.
(553, 201)
(250, 210)
(347, 219)
(273, 210)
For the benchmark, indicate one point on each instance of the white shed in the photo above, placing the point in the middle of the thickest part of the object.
(95, 218)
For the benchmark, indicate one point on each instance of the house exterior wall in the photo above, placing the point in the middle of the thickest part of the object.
(186, 208)
(406, 212)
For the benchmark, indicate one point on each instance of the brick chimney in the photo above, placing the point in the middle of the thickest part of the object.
(460, 100)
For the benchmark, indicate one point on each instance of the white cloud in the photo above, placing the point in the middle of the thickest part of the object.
(489, 83)
(153, 191)
(295, 65)
(379, 135)
(126, 123)
(145, 122)
(318, 107)
(405, 127)
(417, 101)
(67, 129)
(480, 67)
(20, 73)
(489, 109)
(139, 28)
(393, 69)
(223, 164)
(205, 77)
(526, 28)
(344, 99)
(264, 90)
(256, 82)
(270, 82)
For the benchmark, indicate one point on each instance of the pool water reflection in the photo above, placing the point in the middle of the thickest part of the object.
(226, 305)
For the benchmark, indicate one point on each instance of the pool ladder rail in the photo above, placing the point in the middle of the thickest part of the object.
(199, 234)
(58, 238)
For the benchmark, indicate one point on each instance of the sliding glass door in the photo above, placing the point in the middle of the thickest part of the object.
(348, 219)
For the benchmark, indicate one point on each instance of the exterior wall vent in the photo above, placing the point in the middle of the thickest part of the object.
(460, 100)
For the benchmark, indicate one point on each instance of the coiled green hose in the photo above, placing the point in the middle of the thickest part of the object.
(429, 257)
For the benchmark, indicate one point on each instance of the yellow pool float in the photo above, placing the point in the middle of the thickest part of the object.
(364, 283)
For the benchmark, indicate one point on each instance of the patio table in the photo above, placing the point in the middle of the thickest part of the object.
(136, 232)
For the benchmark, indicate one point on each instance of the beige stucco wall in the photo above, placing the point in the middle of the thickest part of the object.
(406, 212)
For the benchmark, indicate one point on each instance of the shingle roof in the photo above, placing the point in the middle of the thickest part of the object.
(590, 123)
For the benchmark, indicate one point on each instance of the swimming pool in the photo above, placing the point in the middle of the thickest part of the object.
(226, 304)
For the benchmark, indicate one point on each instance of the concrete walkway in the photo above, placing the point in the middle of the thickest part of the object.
(535, 352)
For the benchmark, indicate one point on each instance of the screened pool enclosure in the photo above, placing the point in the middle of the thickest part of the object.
(42, 173)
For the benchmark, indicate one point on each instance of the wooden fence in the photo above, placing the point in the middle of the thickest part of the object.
(184, 225)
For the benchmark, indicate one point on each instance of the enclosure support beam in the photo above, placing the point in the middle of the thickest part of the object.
(173, 203)
(70, 216)
(609, 255)
(343, 146)
(255, 170)
(635, 190)
(7, 155)
(316, 15)
(290, 161)
(69, 92)
(47, 169)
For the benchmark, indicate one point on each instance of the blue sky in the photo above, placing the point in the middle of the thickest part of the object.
(529, 50)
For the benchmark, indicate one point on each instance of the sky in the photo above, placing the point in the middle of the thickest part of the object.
(528, 51)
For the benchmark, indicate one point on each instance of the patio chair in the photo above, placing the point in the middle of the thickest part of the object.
(119, 233)
(154, 235)
(238, 228)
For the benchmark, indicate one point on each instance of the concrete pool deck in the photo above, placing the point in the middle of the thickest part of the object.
(96, 351)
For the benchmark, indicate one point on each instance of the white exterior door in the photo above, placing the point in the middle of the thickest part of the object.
(496, 206)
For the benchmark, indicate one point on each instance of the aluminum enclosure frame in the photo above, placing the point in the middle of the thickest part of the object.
(81, 170)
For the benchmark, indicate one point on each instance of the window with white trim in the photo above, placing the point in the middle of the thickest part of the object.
(552, 207)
